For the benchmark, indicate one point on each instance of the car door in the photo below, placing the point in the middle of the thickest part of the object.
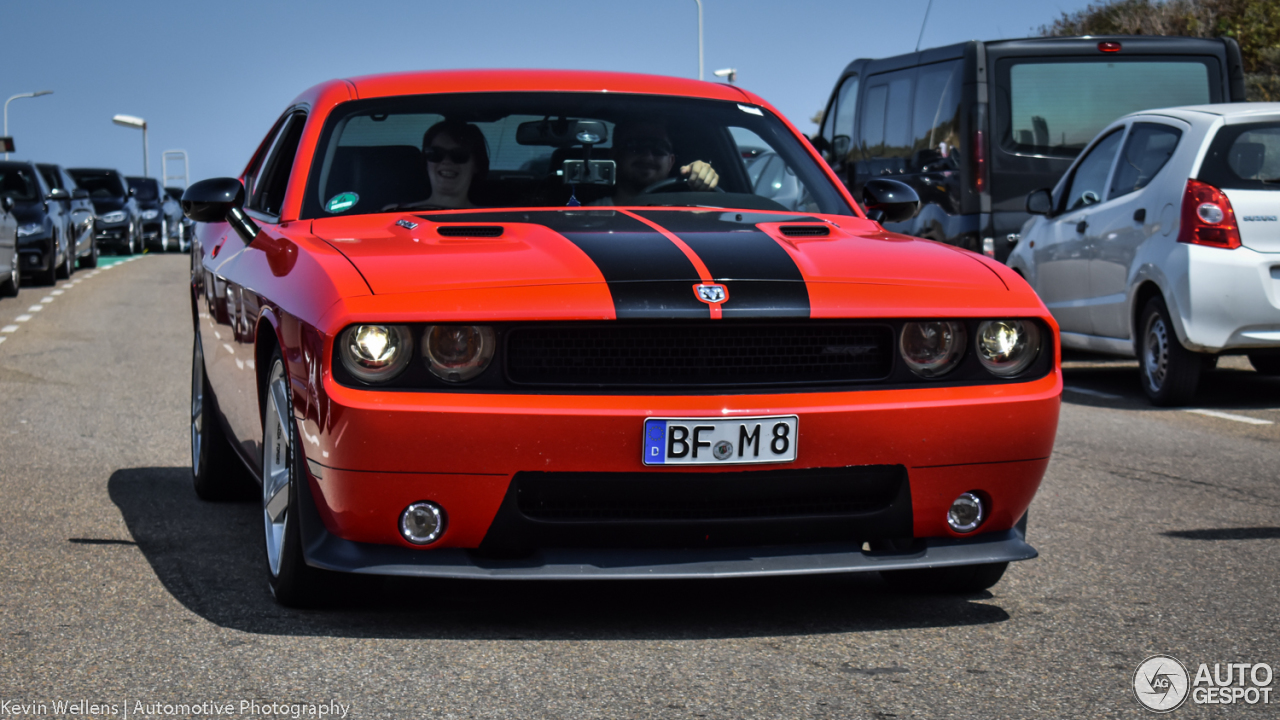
(1128, 217)
(1061, 255)
(242, 275)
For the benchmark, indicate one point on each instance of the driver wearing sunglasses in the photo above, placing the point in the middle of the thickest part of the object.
(644, 155)
(456, 155)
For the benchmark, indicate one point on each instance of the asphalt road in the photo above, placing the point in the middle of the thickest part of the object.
(1159, 532)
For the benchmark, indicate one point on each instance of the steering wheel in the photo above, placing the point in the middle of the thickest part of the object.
(676, 184)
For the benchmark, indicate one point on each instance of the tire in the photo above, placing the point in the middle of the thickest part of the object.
(49, 276)
(129, 245)
(164, 236)
(1168, 371)
(216, 473)
(292, 581)
(91, 260)
(1265, 364)
(68, 265)
(960, 579)
(11, 284)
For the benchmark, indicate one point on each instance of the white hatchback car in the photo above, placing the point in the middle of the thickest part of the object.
(1162, 241)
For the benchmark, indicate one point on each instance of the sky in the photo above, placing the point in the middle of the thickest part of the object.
(211, 78)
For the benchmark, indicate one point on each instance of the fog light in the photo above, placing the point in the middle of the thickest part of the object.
(967, 513)
(422, 523)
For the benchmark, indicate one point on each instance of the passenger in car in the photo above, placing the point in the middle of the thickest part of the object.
(456, 155)
(645, 156)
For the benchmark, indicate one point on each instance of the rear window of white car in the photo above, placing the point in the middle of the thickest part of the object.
(1244, 157)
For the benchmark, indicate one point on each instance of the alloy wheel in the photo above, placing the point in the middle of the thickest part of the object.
(197, 406)
(277, 465)
(1155, 352)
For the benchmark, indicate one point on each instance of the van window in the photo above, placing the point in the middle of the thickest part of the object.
(846, 105)
(886, 124)
(935, 123)
(1149, 147)
(1057, 107)
(1244, 157)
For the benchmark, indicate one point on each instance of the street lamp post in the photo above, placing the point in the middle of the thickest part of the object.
(700, 73)
(136, 122)
(6, 109)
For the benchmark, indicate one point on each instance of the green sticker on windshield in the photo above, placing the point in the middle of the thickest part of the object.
(342, 202)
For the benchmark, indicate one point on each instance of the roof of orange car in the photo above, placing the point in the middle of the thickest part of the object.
(447, 81)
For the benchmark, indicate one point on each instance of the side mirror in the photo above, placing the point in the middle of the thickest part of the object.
(58, 194)
(889, 200)
(80, 194)
(1040, 202)
(219, 200)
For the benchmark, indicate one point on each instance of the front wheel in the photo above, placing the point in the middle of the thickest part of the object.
(959, 579)
(11, 284)
(292, 581)
(49, 275)
(164, 236)
(91, 260)
(68, 265)
(1169, 372)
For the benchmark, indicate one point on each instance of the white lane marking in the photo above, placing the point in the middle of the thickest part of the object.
(1, 338)
(1230, 416)
(47, 298)
(22, 318)
(57, 292)
(1096, 393)
(9, 328)
(229, 348)
(35, 308)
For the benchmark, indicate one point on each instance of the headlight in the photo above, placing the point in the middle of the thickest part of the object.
(375, 353)
(150, 214)
(457, 353)
(113, 217)
(30, 229)
(1007, 347)
(933, 348)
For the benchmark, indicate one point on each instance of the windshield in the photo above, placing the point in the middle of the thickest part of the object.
(144, 188)
(19, 183)
(526, 150)
(1056, 108)
(100, 185)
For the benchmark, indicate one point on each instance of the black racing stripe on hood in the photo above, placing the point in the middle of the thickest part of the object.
(648, 276)
(762, 278)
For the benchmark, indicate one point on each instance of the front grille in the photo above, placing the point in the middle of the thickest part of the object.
(614, 497)
(723, 355)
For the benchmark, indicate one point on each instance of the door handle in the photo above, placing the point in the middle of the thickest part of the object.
(1082, 226)
(1140, 215)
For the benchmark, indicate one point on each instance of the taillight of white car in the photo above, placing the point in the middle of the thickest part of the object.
(1207, 217)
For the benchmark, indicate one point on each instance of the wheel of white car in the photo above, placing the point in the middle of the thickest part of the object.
(1169, 372)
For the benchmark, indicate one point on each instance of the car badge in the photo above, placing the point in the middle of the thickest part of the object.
(407, 224)
(711, 293)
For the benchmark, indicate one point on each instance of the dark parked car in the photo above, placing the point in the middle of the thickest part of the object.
(119, 222)
(79, 209)
(43, 239)
(155, 226)
(973, 127)
(180, 227)
(9, 270)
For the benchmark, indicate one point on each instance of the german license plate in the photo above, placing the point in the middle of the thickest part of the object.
(720, 441)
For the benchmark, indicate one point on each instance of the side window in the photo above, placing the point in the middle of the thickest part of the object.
(846, 105)
(50, 178)
(886, 125)
(935, 122)
(252, 175)
(1149, 147)
(1088, 182)
(268, 194)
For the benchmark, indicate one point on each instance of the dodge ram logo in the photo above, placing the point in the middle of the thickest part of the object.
(711, 293)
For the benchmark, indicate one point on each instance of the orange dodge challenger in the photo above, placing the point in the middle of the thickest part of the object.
(578, 325)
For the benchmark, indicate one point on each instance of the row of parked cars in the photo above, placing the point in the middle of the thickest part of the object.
(53, 219)
(1148, 233)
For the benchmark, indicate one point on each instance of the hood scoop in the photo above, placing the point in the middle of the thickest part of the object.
(470, 231)
(804, 230)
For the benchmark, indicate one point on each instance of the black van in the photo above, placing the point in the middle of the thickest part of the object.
(974, 127)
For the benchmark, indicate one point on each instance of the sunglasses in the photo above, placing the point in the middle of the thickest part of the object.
(437, 154)
(656, 148)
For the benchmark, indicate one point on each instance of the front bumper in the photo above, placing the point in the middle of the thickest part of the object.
(1234, 299)
(113, 234)
(370, 454)
(35, 253)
